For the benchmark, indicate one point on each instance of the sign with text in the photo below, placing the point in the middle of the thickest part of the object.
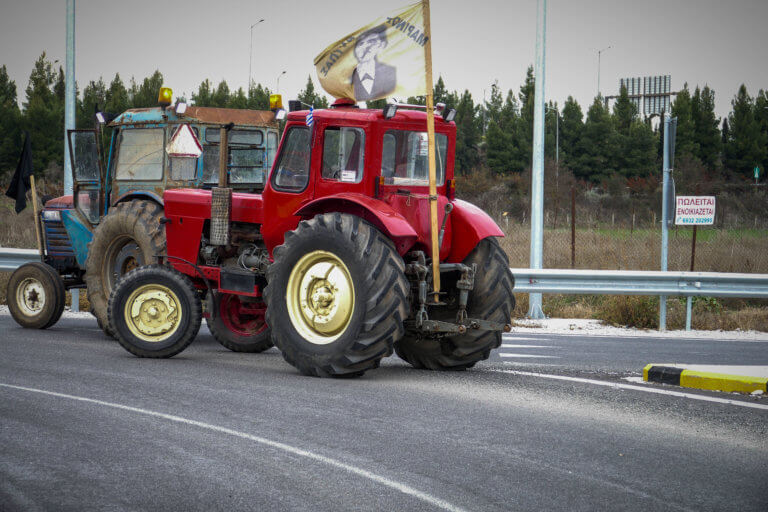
(694, 210)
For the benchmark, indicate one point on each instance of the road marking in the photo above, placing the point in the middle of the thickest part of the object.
(528, 355)
(509, 345)
(637, 388)
(403, 488)
(524, 338)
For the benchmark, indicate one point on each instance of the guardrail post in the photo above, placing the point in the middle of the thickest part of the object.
(688, 308)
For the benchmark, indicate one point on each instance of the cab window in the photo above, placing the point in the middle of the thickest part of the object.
(404, 158)
(140, 155)
(343, 152)
(292, 169)
(247, 159)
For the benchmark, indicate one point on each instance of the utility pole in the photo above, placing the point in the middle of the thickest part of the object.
(599, 55)
(69, 114)
(537, 178)
(277, 90)
(250, 57)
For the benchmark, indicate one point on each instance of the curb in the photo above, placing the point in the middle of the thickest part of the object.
(680, 376)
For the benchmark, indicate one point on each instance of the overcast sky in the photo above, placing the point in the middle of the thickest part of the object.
(716, 42)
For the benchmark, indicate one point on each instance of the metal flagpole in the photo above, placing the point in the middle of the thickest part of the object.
(537, 178)
(431, 158)
(69, 114)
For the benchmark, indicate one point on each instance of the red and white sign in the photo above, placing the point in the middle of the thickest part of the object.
(184, 143)
(694, 210)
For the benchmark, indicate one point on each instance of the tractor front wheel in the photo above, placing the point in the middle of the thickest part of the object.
(35, 295)
(491, 299)
(238, 322)
(155, 311)
(336, 296)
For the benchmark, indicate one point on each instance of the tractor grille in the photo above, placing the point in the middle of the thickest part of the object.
(56, 240)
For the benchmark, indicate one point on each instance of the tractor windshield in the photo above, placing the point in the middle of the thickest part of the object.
(404, 158)
(247, 161)
(292, 170)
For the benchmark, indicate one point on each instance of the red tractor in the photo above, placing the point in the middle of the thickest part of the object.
(331, 262)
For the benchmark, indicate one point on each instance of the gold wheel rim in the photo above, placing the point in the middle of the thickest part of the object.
(320, 297)
(153, 313)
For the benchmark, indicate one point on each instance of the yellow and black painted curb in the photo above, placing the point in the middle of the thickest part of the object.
(679, 376)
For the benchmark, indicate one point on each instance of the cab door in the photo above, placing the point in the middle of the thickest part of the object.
(87, 173)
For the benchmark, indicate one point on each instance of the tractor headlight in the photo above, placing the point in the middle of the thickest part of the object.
(52, 215)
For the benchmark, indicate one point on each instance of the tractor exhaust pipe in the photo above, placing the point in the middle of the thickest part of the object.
(221, 196)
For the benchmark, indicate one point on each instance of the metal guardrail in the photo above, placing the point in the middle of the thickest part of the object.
(636, 282)
(11, 259)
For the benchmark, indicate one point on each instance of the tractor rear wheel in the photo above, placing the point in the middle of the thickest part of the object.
(35, 295)
(491, 299)
(155, 311)
(237, 322)
(129, 236)
(336, 296)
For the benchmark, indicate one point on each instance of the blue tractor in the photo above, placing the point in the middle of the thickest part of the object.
(114, 220)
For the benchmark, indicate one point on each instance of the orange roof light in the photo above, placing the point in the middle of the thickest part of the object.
(275, 101)
(165, 96)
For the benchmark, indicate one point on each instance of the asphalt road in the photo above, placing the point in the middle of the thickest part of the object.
(85, 425)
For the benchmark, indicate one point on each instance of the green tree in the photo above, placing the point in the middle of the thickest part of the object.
(624, 112)
(146, 94)
(10, 118)
(571, 130)
(94, 99)
(746, 144)
(706, 123)
(220, 96)
(440, 93)
(258, 98)
(467, 137)
(310, 97)
(597, 146)
(204, 96)
(43, 115)
(238, 100)
(761, 115)
(685, 143)
(117, 96)
(524, 128)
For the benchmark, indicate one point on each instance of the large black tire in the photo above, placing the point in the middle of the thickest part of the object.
(237, 330)
(129, 236)
(491, 299)
(367, 261)
(35, 295)
(158, 298)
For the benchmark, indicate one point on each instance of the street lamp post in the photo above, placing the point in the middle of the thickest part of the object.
(599, 54)
(277, 89)
(250, 55)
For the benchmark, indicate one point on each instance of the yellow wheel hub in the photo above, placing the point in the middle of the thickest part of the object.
(320, 297)
(152, 312)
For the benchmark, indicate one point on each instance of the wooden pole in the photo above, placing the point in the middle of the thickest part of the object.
(223, 157)
(573, 227)
(431, 158)
(37, 217)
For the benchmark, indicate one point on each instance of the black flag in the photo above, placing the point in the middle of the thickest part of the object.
(20, 181)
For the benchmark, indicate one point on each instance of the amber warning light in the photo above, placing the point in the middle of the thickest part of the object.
(165, 96)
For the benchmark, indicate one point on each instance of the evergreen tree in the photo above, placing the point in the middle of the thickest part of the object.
(624, 112)
(204, 96)
(10, 117)
(571, 129)
(493, 107)
(467, 137)
(499, 147)
(310, 97)
(258, 98)
(146, 95)
(551, 129)
(597, 147)
(94, 99)
(746, 144)
(725, 133)
(117, 97)
(761, 115)
(44, 115)
(440, 93)
(707, 136)
(220, 96)
(685, 143)
(238, 100)
(524, 128)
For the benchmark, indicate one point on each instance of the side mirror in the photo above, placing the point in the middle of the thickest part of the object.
(294, 105)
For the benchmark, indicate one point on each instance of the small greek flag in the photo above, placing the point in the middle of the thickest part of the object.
(310, 120)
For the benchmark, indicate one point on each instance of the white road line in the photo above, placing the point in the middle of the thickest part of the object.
(524, 338)
(619, 385)
(528, 355)
(509, 345)
(403, 488)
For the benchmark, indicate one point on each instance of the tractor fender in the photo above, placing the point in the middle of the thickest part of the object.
(375, 211)
(139, 194)
(470, 225)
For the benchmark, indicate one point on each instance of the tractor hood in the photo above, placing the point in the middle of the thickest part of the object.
(60, 203)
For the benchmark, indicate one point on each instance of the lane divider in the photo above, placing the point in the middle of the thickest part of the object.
(681, 376)
(392, 484)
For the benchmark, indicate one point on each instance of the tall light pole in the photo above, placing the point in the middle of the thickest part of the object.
(599, 55)
(250, 56)
(537, 168)
(277, 90)
(69, 113)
